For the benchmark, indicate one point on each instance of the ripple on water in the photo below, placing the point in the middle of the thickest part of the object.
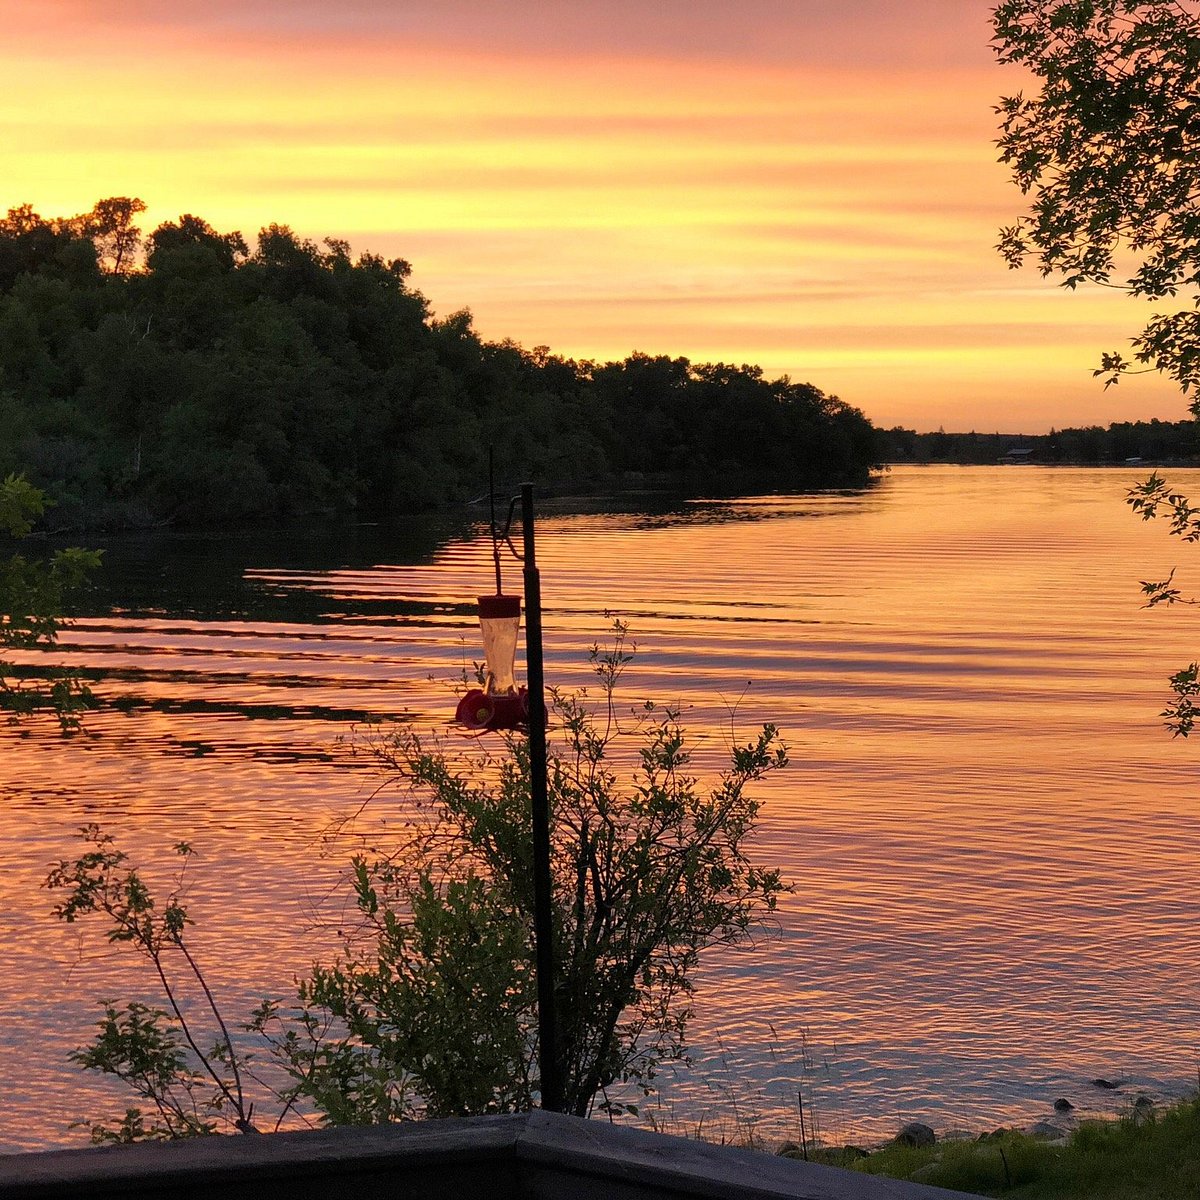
(991, 839)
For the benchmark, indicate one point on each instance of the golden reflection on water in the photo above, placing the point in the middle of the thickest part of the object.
(992, 838)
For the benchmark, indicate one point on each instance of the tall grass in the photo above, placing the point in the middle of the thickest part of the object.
(1141, 1156)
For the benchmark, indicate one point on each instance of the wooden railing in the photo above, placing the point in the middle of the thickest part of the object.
(534, 1156)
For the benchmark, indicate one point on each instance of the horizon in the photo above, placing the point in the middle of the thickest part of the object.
(801, 187)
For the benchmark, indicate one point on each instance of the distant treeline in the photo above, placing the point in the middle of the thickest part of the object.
(1152, 441)
(186, 377)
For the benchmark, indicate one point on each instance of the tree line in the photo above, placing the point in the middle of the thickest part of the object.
(1152, 441)
(184, 377)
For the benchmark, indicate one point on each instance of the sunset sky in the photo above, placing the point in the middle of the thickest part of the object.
(809, 185)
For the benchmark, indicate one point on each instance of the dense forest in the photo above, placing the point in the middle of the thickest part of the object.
(184, 377)
(1175, 442)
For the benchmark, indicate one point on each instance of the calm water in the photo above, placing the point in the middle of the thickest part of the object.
(993, 841)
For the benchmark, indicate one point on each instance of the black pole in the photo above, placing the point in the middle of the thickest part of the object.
(492, 511)
(543, 925)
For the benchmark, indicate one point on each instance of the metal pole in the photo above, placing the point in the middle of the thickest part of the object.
(543, 925)
(492, 511)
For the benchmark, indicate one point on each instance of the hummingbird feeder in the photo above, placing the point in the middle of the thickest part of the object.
(499, 704)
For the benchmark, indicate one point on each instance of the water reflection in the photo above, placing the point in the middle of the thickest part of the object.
(992, 839)
(205, 575)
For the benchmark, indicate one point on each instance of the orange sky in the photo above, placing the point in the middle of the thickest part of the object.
(805, 184)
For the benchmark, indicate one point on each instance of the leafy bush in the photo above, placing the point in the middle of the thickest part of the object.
(32, 597)
(430, 1009)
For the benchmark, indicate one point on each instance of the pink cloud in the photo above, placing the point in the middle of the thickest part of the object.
(877, 33)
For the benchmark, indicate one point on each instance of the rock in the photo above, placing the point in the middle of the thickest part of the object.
(1062, 1104)
(1043, 1129)
(994, 1136)
(1143, 1102)
(916, 1134)
(853, 1152)
(788, 1149)
(1107, 1084)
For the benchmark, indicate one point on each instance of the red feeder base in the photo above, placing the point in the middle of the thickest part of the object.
(478, 710)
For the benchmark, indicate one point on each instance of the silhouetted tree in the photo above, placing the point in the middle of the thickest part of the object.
(1109, 151)
(214, 384)
(1109, 148)
(110, 226)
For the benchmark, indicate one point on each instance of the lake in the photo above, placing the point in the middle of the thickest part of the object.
(992, 838)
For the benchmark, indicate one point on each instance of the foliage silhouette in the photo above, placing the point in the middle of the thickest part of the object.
(1110, 150)
(33, 595)
(208, 383)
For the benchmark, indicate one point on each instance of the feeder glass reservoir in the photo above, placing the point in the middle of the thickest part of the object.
(500, 621)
